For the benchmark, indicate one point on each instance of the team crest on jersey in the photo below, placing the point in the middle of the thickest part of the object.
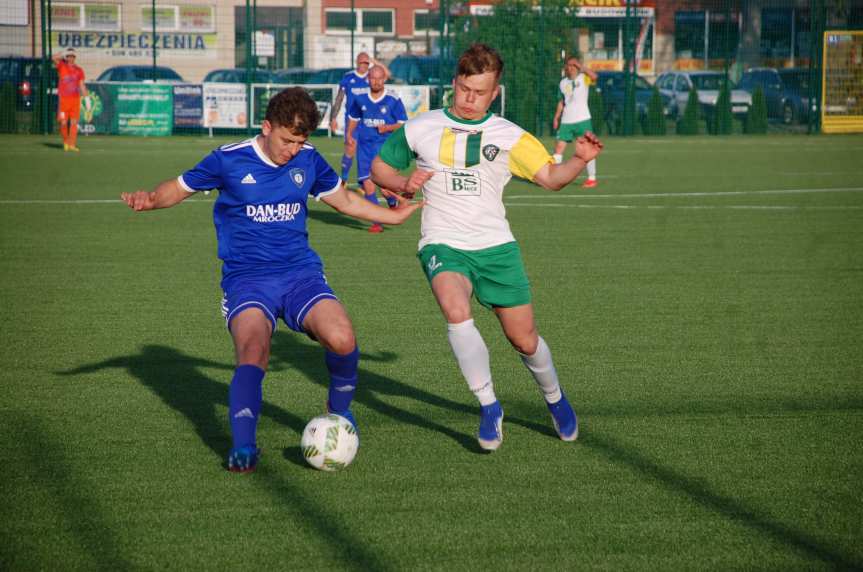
(383, 109)
(298, 176)
(490, 151)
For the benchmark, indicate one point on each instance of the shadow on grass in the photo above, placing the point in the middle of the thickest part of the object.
(43, 464)
(728, 507)
(287, 349)
(52, 145)
(337, 219)
(175, 378)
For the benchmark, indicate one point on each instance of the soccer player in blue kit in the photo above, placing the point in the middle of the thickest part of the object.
(352, 84)
(269, 271)
(373, 116)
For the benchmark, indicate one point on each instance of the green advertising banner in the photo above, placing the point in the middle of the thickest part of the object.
(144, 109)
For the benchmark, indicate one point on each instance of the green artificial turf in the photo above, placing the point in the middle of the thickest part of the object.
(704, 305)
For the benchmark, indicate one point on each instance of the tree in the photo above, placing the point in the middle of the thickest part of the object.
(7, 107)
(688, 124)
(531, 41)
(597, 111)
(721, 121)
(653, 122)
(756, 117)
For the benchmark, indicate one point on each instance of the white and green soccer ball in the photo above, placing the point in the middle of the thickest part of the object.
(329, 442)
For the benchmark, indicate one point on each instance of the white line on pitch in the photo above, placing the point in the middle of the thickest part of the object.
(697, 194)
(691, 207)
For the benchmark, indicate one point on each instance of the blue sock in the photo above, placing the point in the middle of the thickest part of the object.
(244, 404)
(346, 167)
(373, 198)
(343, 379)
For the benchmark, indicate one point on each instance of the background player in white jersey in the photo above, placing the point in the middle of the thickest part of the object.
(269, 271)
(465, 156)
(572, 116)
(371, 119)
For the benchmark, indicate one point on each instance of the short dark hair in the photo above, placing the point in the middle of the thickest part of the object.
(295, 109)
(480, 58)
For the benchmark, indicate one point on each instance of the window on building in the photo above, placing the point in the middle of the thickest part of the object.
(338, 20)
(426, 22)
(776, 32)
(382, 22)
(689, 35)
(603, 39)
(78, 16)
(723, 35)
(377, 21)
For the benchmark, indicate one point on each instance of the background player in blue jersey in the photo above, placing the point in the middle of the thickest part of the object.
(269, 271)
(354, 83)
(371, 118)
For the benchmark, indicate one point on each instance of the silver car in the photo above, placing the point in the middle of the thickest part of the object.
(677, 84)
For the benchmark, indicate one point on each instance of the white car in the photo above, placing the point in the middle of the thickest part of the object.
(676, 85)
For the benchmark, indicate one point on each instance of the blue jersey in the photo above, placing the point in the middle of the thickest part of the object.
(370, 113)
(260, 214)
(353, 84)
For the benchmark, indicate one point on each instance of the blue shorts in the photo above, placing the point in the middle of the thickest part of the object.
(366, 153)
(288, 295)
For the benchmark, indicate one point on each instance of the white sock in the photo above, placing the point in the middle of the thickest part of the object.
(591, 169)
(558, 158)
(541, 366)
(471, 354)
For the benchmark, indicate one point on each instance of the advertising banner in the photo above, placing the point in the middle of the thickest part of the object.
(416, 99)
(144, 109)
(261, 94)
(97, 109)
(188, 105)
(225, 105)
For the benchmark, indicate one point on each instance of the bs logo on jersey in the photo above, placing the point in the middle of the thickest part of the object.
(463, 182)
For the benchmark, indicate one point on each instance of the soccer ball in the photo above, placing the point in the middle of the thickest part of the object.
(329, 442)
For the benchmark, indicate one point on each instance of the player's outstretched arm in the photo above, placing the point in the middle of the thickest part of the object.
(555, 177)
(388, 177)
(352, 204)
(166, 194)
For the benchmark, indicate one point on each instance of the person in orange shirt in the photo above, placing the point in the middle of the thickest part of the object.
(70, 89)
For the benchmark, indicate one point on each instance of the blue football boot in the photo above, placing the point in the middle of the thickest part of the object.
(564, 419)
(490, 434)
(243, 459)
(347, 415)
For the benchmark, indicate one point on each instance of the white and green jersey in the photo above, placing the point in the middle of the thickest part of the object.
(472, 163)
(574, 94)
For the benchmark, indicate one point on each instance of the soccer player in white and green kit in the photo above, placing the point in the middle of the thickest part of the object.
(465, 157)
(572, 116)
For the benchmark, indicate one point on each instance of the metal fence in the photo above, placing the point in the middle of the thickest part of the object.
(196, 65)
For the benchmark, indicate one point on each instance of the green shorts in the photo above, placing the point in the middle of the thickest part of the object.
(496, 274)
(569, 131)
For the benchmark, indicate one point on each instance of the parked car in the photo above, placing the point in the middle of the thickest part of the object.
(140, 74)
(24, 74)
(294, 75)
(611, 86)
(786, 92)
(421, 70)
(239, 75)
(677, 84)
(328, 75)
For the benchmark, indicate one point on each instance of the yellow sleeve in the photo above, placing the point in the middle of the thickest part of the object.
(527, 157)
